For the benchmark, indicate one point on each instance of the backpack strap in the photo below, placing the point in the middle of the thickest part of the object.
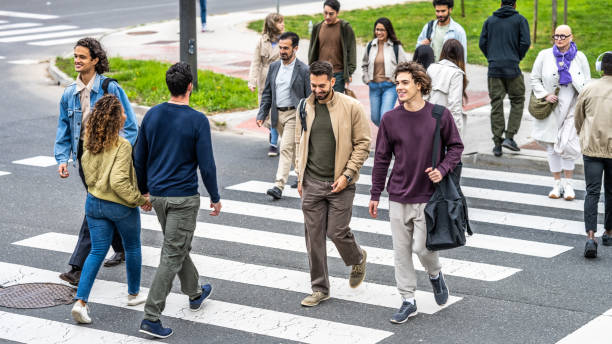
(369, 48)
(396, 51)
(105, 83)
(430, 29)
(302, 111)
(437, 112)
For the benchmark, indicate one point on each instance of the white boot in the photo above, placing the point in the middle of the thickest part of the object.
(568, 190)
(557, 190)
(80, 313)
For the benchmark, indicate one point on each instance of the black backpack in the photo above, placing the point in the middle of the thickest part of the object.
(395, 50)
(105, 84)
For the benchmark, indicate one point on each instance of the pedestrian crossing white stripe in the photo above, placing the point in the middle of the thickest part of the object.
(3, 22)
(594, 332)
(2, 173)
(2, 57)
(484, 241)
(36, 30)
(69, 40)
(27, 15)
(53, 35)
(32, 330)
(217, 313)
(18, 26)
(38, 161)
(503, 176)
(264, 276)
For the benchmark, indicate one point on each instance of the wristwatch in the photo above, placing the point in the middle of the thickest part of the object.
(348, 179)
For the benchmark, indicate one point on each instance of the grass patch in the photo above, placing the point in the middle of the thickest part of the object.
(588, 18)
(145, 83)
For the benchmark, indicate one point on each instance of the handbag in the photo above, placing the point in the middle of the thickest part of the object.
(446, 212)
(541, 108)
(350, 93)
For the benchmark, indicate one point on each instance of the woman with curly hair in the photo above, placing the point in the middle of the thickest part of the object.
(112, 200)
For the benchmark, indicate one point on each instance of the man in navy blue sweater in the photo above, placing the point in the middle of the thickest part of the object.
(174, 141)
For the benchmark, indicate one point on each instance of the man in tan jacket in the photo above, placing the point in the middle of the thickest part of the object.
(333, 142)
(593, 120)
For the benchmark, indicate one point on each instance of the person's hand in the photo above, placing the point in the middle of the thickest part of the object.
(434, 175)
(346, 84)
(551, 98)
(63, 170)
(252, 88)
(340, 184)
(259, 122)
(373, 209)
(300, 189)
(216, 208)
(425, 42)
(147, 206)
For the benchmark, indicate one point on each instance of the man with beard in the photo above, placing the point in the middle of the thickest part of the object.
(439, 30)
(334, 142)
(287, 82)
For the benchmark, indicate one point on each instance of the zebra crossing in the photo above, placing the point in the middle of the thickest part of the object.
(39, 33)
(247, 200)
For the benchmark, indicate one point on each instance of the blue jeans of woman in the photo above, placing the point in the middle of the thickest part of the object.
(103, 217)
(382, 99)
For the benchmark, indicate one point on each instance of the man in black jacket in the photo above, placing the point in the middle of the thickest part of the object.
(504, 41)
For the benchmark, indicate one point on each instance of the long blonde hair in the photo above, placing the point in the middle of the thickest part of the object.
(270, 28)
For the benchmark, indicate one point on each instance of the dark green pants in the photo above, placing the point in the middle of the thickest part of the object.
(515, 89)
(177, 216)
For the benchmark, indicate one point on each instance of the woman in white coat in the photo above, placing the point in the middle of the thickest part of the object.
(566, 68)
(448, 82)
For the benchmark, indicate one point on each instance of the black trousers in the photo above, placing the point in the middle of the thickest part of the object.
(83, 246)
(594, 168)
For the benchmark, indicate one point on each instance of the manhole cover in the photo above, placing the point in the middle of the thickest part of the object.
(36, 295)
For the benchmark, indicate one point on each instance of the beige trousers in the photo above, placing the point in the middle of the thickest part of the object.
(409, 233)
(285, 124)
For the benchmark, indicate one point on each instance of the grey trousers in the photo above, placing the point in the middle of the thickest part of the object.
(409, 232)
(177, 216)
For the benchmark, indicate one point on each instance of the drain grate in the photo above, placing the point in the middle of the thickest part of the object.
(36, 295)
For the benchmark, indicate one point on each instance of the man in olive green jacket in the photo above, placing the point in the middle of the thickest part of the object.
(593, 120)
(333, 40)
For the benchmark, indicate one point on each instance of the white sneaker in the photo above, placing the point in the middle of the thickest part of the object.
(568, 190)
(135, 300)
(79, 313)
(557, 190)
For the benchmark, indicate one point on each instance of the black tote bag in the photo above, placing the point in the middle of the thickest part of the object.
(446, 213)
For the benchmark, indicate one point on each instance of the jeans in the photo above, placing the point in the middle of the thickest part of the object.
(273, 137)
(339, 85)
(594, 168)
(515, 89)
(203, 12)
(382, 99)
(103, 217)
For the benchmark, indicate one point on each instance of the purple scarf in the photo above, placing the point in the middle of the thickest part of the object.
(564, 61)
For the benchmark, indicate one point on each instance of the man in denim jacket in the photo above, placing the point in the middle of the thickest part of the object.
(443, 28)
(75, 106)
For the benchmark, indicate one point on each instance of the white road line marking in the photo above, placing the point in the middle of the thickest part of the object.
(264, 276)
(594, 332)
(2, 57)
(24, 62)
(3, 21)
(18, 26)
(60, 41)
(2, 173)
(531, 248)
(36, 30)
(38, 161)
(53, 35)
(31, 330)
(218, 313)
(27, 15)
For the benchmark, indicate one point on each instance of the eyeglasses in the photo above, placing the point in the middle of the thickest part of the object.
(561, 37)
(380, 30)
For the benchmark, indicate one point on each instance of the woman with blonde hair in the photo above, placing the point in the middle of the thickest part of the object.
(266, 52)
(112, 201)
(565, 69)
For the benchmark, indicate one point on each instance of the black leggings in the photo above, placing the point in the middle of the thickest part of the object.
(594, 168)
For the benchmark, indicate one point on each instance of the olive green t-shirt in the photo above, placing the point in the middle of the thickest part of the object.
(321, 146)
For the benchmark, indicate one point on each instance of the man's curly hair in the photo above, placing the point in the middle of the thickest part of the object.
(95, 50)
(103, 124)
(419, 75)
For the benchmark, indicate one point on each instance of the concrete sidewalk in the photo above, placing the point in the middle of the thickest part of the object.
(229, 50)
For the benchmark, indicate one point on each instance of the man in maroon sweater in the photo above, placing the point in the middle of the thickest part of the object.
(407, 133)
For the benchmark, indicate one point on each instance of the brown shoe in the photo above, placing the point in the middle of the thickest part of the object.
(314, 299)
(358, 272)
(73, 276)
(115, 259)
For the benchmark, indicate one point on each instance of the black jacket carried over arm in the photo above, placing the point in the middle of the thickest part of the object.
(504, 41)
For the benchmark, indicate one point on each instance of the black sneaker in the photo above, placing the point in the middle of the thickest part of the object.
(606, 240)
(406, 311)
(273, 151)
(196, 304)
(294, 185)
(116, 259)
(155, 329)
(590, 249)
(497, 150)
(73, 276)
(275, 192)
(511, 145)
(439, 289)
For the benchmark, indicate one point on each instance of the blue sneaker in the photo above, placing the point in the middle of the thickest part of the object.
(440, 290)
(406, 311)
(196, 304)
(155, 329)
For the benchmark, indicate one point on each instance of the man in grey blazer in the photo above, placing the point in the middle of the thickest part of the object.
(287, 82)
